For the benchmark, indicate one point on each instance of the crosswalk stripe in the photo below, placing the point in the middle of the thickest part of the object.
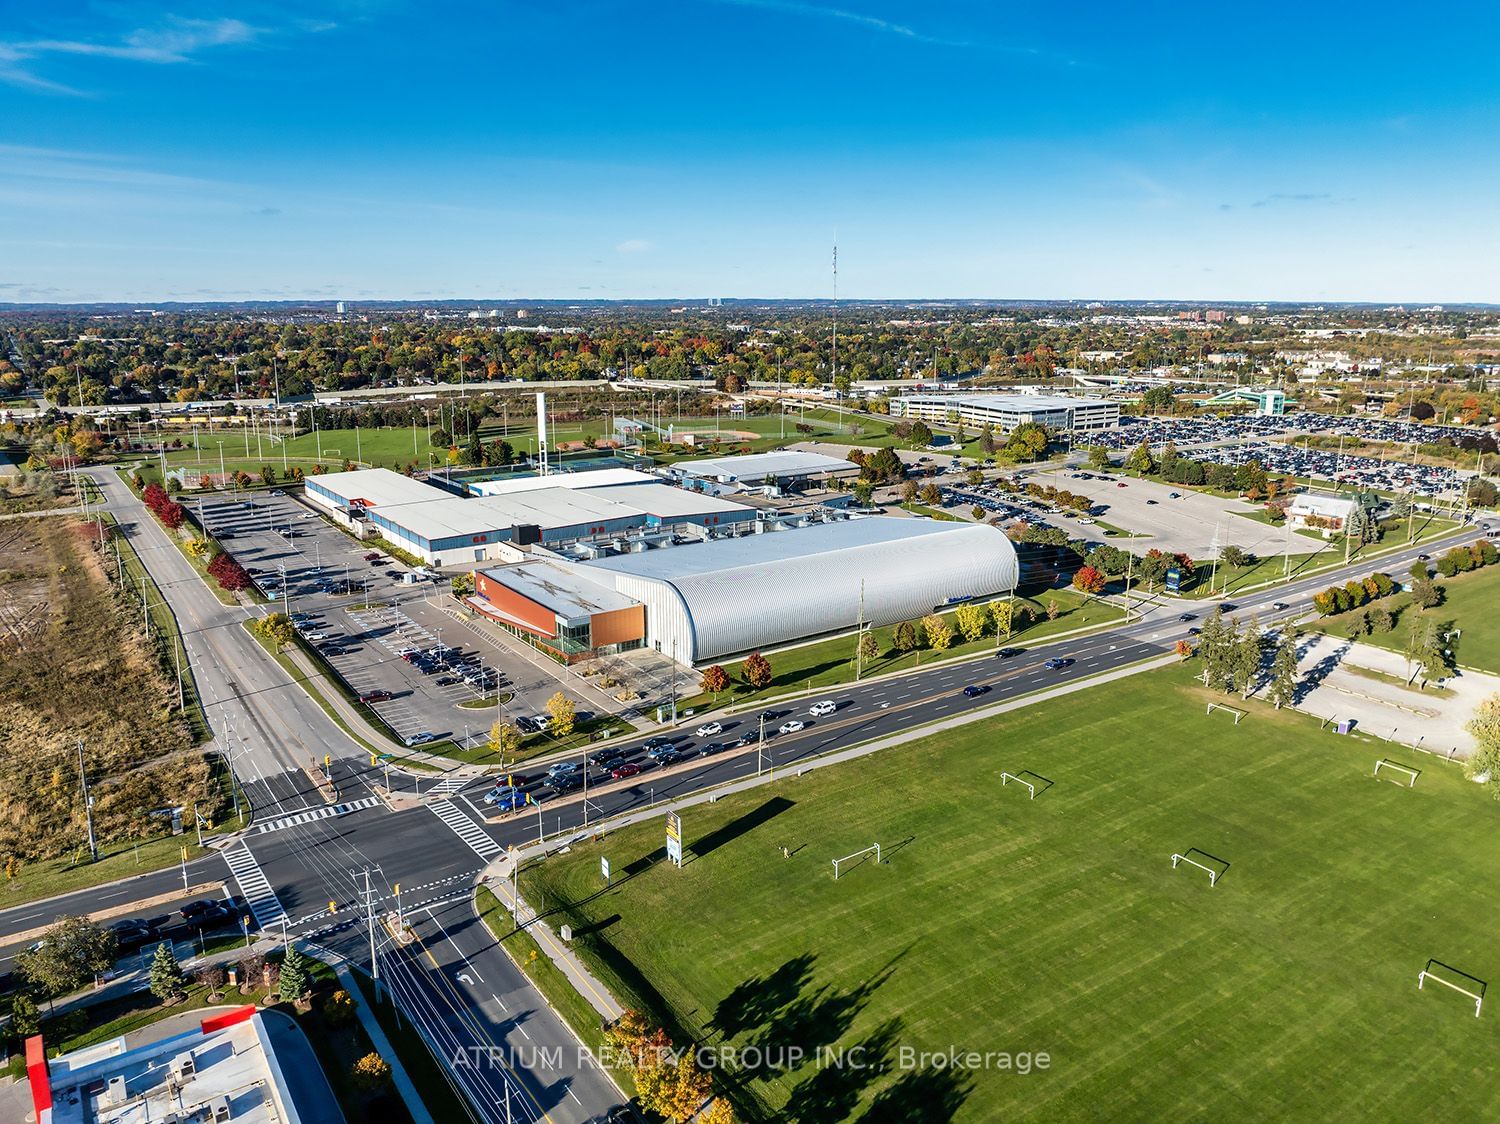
(283, 822)
(448, 784)
(466, 829)
(259, 896)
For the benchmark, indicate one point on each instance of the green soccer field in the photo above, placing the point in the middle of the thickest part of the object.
(1003, 924)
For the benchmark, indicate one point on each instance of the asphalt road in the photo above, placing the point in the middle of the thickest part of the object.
(458, 984)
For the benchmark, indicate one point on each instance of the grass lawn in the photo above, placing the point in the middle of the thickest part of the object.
(1058, 925)
(47, 878)
(1471, 602)
(827, 663)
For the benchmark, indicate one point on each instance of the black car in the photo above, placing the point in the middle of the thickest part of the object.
(566, 782)
(1006, 653)
(749, 737)
(974, 690)
(710, 749)
(1187, 617)
(605, 756)
(1228, 607)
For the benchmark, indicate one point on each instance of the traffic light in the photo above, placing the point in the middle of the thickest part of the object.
(327, 761)
(333, 907)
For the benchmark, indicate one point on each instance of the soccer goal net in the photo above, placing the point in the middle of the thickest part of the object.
(1213, 706)
(1007, 778)
(856, 858)
(1470, 986)
(1205, 862)
(1399, 772)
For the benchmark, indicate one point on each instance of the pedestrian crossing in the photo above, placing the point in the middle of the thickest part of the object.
(466, 829)
(281, 823)
(257, 890)
(448, 785)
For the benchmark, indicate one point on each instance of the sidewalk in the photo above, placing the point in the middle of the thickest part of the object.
(497, 877)
(382, 1044)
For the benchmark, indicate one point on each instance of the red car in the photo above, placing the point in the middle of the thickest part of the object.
(372, 556)
(628, 769)
(1122, 484)
(375, 696)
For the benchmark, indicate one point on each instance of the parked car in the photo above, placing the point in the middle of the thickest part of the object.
(421, 738)
(373, 556)
(793, 726)
(709, 729)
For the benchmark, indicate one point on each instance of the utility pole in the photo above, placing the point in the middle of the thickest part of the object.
(859, 633)
(369, 896)
(88, 804)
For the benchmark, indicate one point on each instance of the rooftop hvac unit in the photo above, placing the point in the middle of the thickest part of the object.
(114, 1092)
(639, 546)
(183, 1067)
(526, 534)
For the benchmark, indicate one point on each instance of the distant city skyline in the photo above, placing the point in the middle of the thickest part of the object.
(369, 149)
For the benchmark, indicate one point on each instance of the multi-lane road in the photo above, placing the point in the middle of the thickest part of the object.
(302, 862)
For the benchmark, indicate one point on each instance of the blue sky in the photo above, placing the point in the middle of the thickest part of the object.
(658, 148)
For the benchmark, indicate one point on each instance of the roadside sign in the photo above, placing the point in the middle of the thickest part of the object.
(1174, 580)
(604, 868)
(674, 838)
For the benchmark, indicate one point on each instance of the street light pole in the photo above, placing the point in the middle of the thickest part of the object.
(88, 804)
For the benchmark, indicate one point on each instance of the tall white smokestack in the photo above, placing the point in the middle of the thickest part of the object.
(541, 430)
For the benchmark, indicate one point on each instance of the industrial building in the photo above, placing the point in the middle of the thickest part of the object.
(1322, 512)
(706, 600)
(448, 530)
(755, 469)
(225, 1071)
(1004, 412)
(593, 478)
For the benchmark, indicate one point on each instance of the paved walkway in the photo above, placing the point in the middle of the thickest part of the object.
(382, 1044)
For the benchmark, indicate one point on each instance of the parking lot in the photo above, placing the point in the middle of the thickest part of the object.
(1240, 439)
(364, 618)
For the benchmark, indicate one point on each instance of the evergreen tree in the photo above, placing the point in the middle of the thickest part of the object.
(293, 983)
(1283, 690)
(1246, 660)
(167, 979)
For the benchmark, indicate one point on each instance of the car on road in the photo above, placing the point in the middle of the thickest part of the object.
(1122, 484)
(1228, 606)
(217, 913)
(1174, 495)
(974, 690)
(1279, 606)
(625, 769)
(663, 749)
(563, 768)
(1150, 503)
(749, 737)
(821, 709)
(505, 798)
(1195, 632)
(1057, 663)
(420, 738)
(605, 756)
(1006, 653)
(1423, 557)
(565, 782)
(1185, 617)
(709, 729)
(276, 492)
(792, 727)
(708, 749)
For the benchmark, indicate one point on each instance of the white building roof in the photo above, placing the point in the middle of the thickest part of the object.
(667, 501)
(379, 487)
(1336, 507)
(761, 466)
(545, 507)
(727, 596)
(1019, 403)
(567, 592)
(590, 478)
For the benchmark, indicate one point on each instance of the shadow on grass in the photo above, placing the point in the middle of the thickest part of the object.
(740, 825)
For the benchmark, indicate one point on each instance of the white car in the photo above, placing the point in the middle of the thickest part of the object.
(316, 635)
(709, 729)
(307, 515)
(819, 709)
(793, 726)
(1085, 521)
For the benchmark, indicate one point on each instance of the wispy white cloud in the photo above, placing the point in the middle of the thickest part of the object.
(633, 246)
(846, 15)
(172, 40)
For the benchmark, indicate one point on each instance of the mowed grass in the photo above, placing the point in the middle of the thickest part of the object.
(999, 923)
(1471, 602)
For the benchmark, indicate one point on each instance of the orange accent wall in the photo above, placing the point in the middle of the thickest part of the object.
(617, 626)
(524, 610)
